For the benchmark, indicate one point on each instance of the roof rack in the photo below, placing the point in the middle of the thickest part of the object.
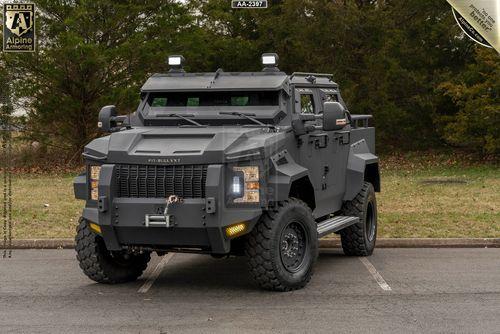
(324, 75)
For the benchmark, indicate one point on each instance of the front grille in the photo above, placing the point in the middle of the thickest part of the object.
(187, 181)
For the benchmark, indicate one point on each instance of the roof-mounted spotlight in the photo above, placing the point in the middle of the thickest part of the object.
(270, 61)
(175, 63)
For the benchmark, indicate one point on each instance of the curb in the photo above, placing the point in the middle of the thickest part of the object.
(324, 243)
(424, 243)
(41, 244)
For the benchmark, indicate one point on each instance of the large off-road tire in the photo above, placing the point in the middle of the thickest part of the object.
(104, 266)
(283, 246)
(359, 239)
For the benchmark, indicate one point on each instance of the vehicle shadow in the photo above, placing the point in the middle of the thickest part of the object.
(200, 272)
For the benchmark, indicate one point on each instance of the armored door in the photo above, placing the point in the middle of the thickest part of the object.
(336, 155)
(314, 148)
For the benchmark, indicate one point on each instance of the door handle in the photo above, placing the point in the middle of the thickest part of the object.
(320, 140)
(344, 137)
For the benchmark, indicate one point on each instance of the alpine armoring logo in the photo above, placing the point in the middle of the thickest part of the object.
(19, 27)
(469, 30)
(479, 20)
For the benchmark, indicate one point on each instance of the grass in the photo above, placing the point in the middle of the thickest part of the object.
(440, 202)
(418, 199)
(43, 206)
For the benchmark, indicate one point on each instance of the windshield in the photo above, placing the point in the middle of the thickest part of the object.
(218, 99)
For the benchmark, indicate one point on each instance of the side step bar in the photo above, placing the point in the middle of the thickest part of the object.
(335, 224)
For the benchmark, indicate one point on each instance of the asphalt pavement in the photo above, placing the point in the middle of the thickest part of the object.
(395, 290)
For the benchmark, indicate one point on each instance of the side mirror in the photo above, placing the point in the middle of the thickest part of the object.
(334, 116)
(106, 118)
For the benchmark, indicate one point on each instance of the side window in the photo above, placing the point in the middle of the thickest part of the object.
(331, 98)
(193, 101)
(239, 100)
(307, 103)
(159, 102)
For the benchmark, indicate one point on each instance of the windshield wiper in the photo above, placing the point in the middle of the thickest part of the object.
(182, 116)
(245, 115)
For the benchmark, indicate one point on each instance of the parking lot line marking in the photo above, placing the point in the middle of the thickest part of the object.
(380, 280)
(156, 273)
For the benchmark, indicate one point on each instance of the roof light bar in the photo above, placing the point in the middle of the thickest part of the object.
(175, 62)
(270, 59)
(270, 62)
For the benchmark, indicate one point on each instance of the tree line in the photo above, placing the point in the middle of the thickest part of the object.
(404, 61)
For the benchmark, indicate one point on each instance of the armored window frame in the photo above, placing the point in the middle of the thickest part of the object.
(213, 99)
(331, 98)
(310, 108)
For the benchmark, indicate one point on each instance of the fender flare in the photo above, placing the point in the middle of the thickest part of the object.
(284, 172)
(359, 158)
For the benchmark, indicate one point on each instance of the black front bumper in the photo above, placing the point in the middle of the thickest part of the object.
(122, 220)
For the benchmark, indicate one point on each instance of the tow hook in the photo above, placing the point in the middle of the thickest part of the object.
(165, 220)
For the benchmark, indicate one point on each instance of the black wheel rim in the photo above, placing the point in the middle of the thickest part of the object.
(370, 222)
(293, 246)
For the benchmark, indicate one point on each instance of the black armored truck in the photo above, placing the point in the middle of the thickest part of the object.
(257, 164)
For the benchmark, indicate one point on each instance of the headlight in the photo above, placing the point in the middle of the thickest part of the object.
(245, 184)
(94, 182)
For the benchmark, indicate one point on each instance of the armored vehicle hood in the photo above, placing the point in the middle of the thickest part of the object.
(160, 145)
